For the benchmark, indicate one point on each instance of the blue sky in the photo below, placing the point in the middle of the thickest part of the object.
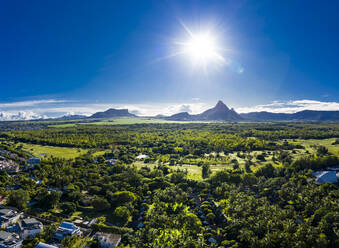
(61, 57)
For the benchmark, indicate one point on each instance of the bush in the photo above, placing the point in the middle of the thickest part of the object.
(122, 214)
(19, 198)
(100, 203)
(68, 207)
(110, 229)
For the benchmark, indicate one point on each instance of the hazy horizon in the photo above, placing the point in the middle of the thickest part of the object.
(51, 108)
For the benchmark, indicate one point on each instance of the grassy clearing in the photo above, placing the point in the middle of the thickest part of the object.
(63, 125)
(194, 171)
(256, 162)
(89, 213)
(59, 152)
(308, 144)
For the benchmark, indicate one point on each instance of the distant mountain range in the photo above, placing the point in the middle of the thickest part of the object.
(305, 115)
(70, 117)
(221, 113)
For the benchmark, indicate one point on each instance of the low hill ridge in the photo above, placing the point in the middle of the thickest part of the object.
(112, 113)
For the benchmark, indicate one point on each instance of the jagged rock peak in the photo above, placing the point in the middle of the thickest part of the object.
(221, 105)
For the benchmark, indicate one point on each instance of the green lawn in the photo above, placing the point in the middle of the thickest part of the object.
(59, 152)
(90, 213)
(63, 125)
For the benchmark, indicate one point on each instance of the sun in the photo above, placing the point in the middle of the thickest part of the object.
(202, 49)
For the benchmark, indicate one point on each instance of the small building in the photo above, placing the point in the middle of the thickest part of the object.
(8, 217)
(44, 245)
(322, 177)
(108, 240)
(9, 240)
(66, 229)
(31, 227)
(142, 156)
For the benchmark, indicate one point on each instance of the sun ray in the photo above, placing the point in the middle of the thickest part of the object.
(201, 48)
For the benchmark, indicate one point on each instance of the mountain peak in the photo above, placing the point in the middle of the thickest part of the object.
(219, 113)
(220, 105)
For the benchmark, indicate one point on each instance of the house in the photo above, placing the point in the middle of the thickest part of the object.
(31, 227)
(8, 217)
(108, 240)
(322, 177)
(9, 240)
(66, 229)
(43, 245)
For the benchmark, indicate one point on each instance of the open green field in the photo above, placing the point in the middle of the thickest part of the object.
(309, 144)
(59, 152)
(194, 171)
(123, 121)
(256, 163)
(64, 125)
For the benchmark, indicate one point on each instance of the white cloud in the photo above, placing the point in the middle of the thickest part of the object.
(164, 109)
(30, 103)
(185, 108)
(52, 108)
(291, 106)
(21, 115)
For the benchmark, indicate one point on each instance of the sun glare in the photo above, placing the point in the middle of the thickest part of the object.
(202, 49)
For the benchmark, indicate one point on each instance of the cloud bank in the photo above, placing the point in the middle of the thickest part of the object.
(51, 108)
(291, 106)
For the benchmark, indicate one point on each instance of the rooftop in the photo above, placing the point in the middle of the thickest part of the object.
(325, 177)
(9, 239)
(4, 235)
(30, 221)
(142, 156)
(43, 245)
(5, 211)
(68, 225)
